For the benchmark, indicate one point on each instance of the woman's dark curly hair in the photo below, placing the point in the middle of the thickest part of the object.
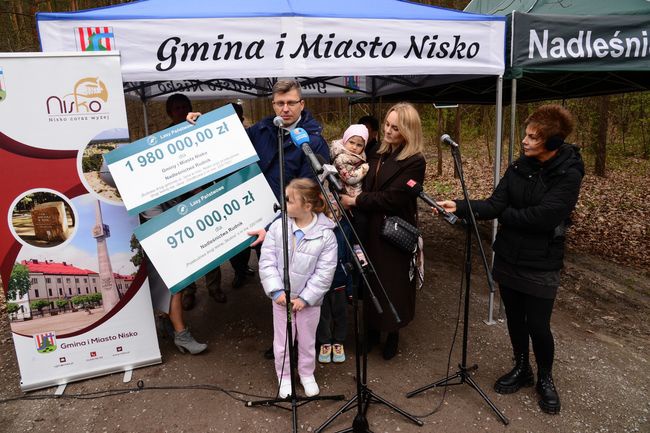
(551, 120)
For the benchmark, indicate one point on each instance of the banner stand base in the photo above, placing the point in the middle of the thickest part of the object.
(128, 374)
(60, 390)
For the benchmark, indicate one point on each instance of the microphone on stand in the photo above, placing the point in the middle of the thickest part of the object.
(415, 189)
(445, 138)
(330, 173)
(301, 139)
(277, 121)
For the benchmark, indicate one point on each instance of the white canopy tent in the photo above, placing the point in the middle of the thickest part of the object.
(238, 42)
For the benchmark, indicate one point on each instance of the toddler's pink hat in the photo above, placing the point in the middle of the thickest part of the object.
(356, 129)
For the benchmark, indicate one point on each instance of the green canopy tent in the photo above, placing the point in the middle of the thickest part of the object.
(556, 49)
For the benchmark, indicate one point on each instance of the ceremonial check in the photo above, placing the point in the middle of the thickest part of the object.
(200, 233)
(175, 160)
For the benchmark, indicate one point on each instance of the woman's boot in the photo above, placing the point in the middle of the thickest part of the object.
(521, 375)
(549, 399)
(185, 342)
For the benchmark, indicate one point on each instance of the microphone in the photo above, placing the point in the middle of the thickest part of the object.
(330, 173)
(415, 189)
(301, 139)
(445, 138)
(277, 121)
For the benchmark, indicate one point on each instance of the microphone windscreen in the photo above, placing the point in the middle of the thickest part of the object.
(299, 136)
(277, 121)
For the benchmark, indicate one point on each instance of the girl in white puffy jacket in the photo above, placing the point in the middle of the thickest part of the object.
(312, 262)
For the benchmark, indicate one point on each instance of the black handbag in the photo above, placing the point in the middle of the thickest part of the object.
(400, 234)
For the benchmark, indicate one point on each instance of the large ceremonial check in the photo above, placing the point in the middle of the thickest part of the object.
(200, 233)
(179, 159)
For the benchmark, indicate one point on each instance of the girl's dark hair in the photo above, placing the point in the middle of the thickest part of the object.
(309, 193)
(551, 120)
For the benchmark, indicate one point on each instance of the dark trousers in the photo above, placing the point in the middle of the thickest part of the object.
(529, 316)
(240, 261)
(333, 324)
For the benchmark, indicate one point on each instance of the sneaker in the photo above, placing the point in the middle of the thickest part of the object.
(338, 355)
(325, 355)
(310, 386)
(285, 388)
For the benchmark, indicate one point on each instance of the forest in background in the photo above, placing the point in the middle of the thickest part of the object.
(612, 216)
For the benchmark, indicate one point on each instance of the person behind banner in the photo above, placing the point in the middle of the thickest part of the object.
(533, 203)
(349, 158)
(372, 124)
(398, 159)
(313, 251)
(177, 107)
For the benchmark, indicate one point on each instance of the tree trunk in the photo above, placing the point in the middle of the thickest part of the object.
(601, 136)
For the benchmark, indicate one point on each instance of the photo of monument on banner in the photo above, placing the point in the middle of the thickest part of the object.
(42, 219)
(68, 289)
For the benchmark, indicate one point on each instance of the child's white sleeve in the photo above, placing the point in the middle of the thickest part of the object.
(320, 281)
(268, 264)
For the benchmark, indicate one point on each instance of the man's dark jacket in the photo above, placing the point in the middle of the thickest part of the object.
(264, 135)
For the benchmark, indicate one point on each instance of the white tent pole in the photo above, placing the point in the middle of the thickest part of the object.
(513, 119)
(497, 173)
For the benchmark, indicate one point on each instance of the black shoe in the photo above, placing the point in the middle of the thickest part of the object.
(549, 399)
(390, 347)
(521, 375)
(268, 354)
(239, 280)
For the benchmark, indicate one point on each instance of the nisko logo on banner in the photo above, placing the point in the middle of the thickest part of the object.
(45, 342)
(3, 89)
(86, 102)
(95, 38)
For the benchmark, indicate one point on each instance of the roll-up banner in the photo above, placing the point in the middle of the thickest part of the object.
(78, 302)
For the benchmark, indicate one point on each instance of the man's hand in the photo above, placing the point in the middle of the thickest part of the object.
(192, 116)
(261, 234)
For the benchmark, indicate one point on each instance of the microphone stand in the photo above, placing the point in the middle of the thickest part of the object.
(295, 400)
(364, 395)
(463, 374)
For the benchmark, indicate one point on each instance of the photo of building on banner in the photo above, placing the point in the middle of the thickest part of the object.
(78, 302)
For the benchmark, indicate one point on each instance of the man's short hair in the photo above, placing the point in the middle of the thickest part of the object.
(284, 86)
(177, 97)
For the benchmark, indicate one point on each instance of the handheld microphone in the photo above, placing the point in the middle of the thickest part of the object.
(415, 189)
(445, 138)
(277, 121)
(330, 173)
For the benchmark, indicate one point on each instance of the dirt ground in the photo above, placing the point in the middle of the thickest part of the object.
(601, 325)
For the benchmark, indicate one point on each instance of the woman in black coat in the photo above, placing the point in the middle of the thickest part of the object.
(532, 202)
(398, 159)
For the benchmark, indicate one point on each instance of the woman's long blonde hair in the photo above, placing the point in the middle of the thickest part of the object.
(410, 127)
